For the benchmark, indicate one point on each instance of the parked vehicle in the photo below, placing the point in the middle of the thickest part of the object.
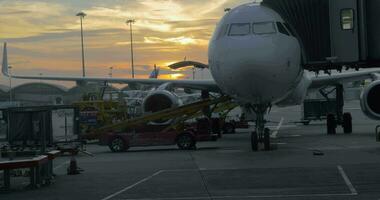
(230, 124)
(158, 135)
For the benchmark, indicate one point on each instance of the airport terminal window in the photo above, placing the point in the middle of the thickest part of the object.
(347, 19)
(264, 28)
(281, 28)
(240, 29)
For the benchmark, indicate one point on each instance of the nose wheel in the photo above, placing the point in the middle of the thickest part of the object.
(264, 140)
(261, 136)
(254, 141)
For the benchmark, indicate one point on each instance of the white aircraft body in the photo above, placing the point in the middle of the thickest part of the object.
(255, 59)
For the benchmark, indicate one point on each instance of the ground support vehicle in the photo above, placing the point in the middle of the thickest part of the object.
(328, 108)
(158, 135)
(230, 124)
(177, 128)
(317, 109)
(95, 114)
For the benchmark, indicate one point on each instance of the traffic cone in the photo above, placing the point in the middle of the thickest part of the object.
(73, 167)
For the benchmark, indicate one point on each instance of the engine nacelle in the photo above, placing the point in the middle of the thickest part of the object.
(158, 100)
(370, 100)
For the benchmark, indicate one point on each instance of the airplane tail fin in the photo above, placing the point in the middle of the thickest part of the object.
(155, 72)
(5, 65)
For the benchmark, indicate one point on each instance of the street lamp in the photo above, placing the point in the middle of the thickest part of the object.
(40, 77)
(130, 22)
(193, 73)
(10, 84)
(110, 74)
(81, 15)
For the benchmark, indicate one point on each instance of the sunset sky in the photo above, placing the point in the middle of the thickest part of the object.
(44, 35)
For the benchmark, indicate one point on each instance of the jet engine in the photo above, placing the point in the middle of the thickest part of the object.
(370, 100)
(158, 100)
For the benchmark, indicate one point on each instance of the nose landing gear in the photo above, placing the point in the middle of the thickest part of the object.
(264, 139)
(261, 135)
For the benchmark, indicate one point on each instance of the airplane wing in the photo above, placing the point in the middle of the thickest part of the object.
(321, 81)
(208, 85)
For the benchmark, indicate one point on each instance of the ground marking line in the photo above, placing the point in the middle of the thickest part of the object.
(61, 165)
(274, 134)
(248, 197)
(202, 177)
(133, 185)
(343, 174)
(354, 108)
(347, 180)
(178, 170)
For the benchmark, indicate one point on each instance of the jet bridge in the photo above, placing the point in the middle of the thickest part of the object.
(334, 34)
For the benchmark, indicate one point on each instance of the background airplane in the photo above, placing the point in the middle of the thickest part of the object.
(254, 59)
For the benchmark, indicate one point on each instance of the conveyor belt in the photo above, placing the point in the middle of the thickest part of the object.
(185, 112)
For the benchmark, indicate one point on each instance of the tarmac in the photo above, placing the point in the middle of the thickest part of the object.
(307, 164)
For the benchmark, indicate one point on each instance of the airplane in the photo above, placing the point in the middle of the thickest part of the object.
(254, 61)
(140, 87)
(155, 73)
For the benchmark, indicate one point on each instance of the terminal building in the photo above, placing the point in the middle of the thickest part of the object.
(40, 94)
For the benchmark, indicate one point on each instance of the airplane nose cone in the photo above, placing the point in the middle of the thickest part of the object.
(256, 71)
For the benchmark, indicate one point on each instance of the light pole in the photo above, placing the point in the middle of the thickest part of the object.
(110, 74)
(81, 15)
(40, 77)
(10, 83)
(130, 22)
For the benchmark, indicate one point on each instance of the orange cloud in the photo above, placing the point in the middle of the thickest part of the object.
(44, 37)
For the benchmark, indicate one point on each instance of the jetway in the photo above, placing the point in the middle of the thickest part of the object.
(334, 34)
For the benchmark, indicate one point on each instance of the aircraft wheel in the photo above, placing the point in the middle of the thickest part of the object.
(118, 145)
(254, 141)
(331, 124)
(267, 139)
(228, 128)
(347, 123)
(185, 141)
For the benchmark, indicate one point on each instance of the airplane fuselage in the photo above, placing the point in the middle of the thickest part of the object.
(255, 60)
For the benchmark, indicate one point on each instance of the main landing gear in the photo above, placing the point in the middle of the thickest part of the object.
(261, 135)
(339, 118)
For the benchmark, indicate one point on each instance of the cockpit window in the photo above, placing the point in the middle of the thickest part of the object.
(264, 28)
(223, 31)
(281, 28)
(240, 29)
(290, 29)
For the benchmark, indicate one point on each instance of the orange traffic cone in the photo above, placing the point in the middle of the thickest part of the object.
(73, 167)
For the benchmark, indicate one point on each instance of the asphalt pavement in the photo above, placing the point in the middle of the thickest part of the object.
(305, 164)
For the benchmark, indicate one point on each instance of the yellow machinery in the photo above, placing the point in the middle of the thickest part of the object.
(95, 114)
(179, 114)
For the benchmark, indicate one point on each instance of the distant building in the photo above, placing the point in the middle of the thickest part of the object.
(4, 95)
(38, 94)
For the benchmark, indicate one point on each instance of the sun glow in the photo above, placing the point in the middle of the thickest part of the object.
(44, 33)
(172, 76)
(166, 64)
(183, 40)
(177, 76)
